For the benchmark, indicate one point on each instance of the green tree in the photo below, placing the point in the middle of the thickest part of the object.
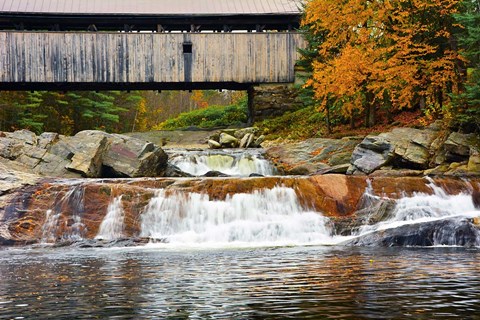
(29, 116)
(467, 106)
(95, 110)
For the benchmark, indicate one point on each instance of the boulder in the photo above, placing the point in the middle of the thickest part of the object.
(413, 148)
(10, 148)
(239, 134)
(451, 232)
(318, 153)
(132, 157)
(258, 142)
(214, 173)
(212, 144)
(89, 152)
(473, 165)
(24, 136)
(227, 140)
(247, 140)
(372, 153)
(458, 145)
(173, 171)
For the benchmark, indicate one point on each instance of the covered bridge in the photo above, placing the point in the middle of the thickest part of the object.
(147, 44)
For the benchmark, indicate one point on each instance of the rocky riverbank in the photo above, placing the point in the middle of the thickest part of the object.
(431, 151)
(335, 174)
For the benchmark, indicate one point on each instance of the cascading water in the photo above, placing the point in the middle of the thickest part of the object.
(73, 227)
(234, 163)
(274, 217)
(267, 217)
(449, 212)
(113, 224)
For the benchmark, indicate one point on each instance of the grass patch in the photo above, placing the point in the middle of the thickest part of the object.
(300, 124)
(209, 117)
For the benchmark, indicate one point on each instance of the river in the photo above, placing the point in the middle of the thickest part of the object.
(256, 253)
(314, 282)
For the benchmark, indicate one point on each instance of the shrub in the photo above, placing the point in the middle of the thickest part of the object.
(208, 118)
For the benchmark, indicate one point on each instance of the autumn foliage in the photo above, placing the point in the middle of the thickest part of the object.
(382, 56)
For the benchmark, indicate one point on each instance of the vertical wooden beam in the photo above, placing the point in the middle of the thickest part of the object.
(251, 106)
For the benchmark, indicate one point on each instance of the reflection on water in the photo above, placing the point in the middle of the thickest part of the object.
(266, 283)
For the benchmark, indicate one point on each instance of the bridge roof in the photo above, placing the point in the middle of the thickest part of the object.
(151, 7)
(150, 15)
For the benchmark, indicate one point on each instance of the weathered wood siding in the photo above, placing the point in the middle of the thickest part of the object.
(53, 57)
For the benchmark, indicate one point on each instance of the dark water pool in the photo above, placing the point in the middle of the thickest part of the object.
(266, 283)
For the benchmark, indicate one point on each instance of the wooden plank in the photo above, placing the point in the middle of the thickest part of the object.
(147, 57)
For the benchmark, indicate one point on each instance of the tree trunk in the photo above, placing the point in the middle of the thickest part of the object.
(371, 115)
(327, 119)
(423, 103)
(367, 116)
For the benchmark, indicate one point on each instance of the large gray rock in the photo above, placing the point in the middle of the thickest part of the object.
(89, 152)
(372, 153)
(227, 140)
(10, 148)
(312, 155)
(126, 156)
(52, 165)
(25, 136)
(173, 171)
(239, 134)
(132, 157)
(413, 148)
(451, 232)
(458, 146)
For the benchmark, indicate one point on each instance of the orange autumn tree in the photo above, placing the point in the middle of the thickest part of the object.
(390, 54)
(198, 99)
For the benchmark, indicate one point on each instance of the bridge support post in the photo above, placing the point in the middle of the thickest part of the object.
(251, 106)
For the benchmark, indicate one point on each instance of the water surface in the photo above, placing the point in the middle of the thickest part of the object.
(314, 282)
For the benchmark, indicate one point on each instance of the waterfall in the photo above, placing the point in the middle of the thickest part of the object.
(234, 163)
(267, 217)
(270, 217)
(447, 215)
(113, 224)
(64, 221)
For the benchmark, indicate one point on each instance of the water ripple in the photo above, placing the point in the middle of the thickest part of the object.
(268, 283)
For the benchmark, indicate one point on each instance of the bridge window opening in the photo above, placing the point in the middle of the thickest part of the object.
(187, 47)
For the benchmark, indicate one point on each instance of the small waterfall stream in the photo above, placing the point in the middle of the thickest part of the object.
(57, 225)
(233, 163)
(113, 224)
(421, 207)
(435, 219)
